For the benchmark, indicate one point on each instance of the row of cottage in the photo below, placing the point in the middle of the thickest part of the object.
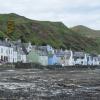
(15, 51)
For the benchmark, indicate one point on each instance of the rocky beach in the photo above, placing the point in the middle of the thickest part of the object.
(45, 84)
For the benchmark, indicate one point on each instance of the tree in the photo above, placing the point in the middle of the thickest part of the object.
(10, 25)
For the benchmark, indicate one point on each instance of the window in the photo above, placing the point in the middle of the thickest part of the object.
(82, 57)
(81, 62)
(1, 58)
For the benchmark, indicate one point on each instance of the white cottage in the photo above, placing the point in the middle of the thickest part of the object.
(89, 59)
(99, 59)
(6, 52)
(61, 59)
(80, 58)
(69, 60)
(95, 60)
(65, 58)
(27, 47)
(19, 51)
(21, 56)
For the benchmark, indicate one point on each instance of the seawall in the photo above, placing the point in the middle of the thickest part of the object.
(51, 67)
(38, 66)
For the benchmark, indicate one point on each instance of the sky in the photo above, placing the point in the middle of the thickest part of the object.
(70, 12)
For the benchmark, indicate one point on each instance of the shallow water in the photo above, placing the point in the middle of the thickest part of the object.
(39, 84)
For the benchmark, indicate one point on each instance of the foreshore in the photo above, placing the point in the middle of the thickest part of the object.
(38, 66)
(45, 84)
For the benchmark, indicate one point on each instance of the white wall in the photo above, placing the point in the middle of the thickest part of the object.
(7, 52)
(95, 61)
(23, 58)
(10, 54)
(14, 56)
(3, 51)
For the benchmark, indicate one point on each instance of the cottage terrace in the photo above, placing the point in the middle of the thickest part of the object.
(16, 51)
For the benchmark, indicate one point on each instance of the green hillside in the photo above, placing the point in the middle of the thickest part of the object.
(86, 31)
(46, 32)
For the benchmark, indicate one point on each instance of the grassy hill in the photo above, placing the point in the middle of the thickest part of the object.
(86, 31)
(46, 32)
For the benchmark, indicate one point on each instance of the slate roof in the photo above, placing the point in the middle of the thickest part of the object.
(19, 47)
(79, 54)
(4, 43)
(60, 53)
(42, 50)
(99, 57)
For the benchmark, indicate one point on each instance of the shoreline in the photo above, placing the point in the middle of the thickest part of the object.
(50, 67)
